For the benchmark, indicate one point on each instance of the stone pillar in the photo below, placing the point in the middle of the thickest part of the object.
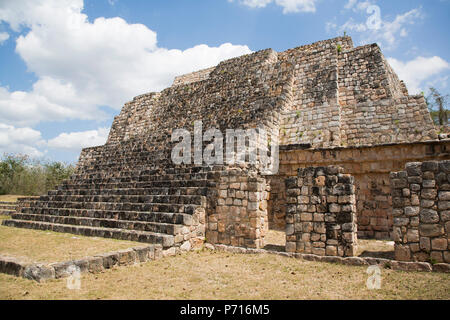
(321, 212)
(421, 210)
(240, 217)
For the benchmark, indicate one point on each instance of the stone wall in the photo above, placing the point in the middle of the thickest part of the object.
(321, 212)
(240, 217)
(365, 75)
(370, 166)
(421, 210)
(192, 77)
(336, 101)
(387, 121)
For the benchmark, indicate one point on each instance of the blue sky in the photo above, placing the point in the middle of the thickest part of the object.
(68, 66)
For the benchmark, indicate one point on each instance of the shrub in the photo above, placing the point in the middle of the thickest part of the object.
(24, 176)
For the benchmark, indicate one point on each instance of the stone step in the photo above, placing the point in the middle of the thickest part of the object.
(8, 203)
(103, 178)
(135, 185)
(115, 206)
(145, 170)
(170, 199)
(7, 206)
(189, 191)
(6, 212)
(156, 227)
(131, 235)
(160, 217)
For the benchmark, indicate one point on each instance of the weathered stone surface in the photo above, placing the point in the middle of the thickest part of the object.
(95, 264)
(431, 230)
(441, 267)
(412, 266)
(186, 246)
(39, 272)
(429, 216)
(322, 229)
(62, 269)
(355, 261)
(423, 238)
(12, 266)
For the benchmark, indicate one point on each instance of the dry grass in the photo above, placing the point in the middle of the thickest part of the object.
(12, 197)
(48, 246)
(219, 275)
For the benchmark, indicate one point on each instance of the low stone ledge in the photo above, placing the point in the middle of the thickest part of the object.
(94, 264)
(12, 266)
(411, 266)
(352, 261)
(39, 272)
(441, 267)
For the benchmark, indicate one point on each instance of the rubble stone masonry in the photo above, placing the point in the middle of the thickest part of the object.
(329, 103)
(421, 210)
(321, 212)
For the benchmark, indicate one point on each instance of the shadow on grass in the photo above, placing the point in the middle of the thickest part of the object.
(378, 254)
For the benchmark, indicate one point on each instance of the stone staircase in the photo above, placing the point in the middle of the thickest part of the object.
(161, 206)
(7, 208)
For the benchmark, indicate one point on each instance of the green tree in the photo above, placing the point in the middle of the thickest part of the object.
(437, 105)
(10, 167)
(24, 176)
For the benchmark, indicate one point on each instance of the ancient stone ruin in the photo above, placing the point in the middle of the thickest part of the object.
(346, 126)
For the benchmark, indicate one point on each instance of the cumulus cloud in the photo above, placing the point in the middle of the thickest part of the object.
(289, 6)
(3, 37)
(416, 72)
(84, 65)
(20, 140)
(78, 140)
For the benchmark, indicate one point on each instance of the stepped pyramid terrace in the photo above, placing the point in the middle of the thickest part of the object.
(359, 158)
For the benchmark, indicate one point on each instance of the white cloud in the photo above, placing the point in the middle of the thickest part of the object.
(416, 72)
(78, 140)
(254, 3)
(20, 140)
(297, 5)
(373, 28)
(3, 37)
(351, 25)
(350, 4)
(389, 30)
(289, 6)
(84, 65)
(49, 100)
